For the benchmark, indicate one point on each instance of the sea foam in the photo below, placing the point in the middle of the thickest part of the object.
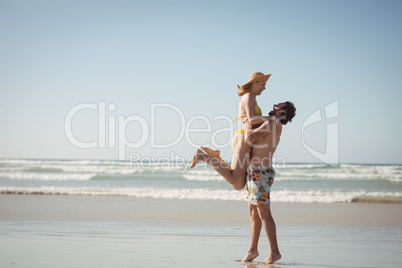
(208, 194)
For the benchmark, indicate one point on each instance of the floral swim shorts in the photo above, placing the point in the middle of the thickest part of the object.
(259, 182)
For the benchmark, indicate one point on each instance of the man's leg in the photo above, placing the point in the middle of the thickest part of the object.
(264, 211)
(256, 225)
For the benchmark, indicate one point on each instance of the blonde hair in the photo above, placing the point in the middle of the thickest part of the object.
(244, 89)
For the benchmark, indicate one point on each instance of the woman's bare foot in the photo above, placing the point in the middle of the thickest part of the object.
(210, 152)
(250, 256)
(198, 156)
(272, 258)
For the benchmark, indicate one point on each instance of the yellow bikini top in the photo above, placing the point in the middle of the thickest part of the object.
(257, 112)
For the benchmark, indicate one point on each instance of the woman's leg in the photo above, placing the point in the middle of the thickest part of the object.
(235, 174)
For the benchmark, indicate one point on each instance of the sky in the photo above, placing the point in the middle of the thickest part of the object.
(135, 80)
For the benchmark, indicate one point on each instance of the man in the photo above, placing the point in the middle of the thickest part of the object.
(264, 141)
(261, 177)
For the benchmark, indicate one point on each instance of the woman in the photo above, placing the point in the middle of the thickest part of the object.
(250, 115)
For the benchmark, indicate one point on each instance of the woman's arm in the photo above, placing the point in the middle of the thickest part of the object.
(258, 120)
(254, 134)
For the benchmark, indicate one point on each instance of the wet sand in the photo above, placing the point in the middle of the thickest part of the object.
(87, 208)
(82, 231)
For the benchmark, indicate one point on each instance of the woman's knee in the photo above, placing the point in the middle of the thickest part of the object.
(239, 186)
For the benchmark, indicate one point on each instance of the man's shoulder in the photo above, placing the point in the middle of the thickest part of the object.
(272, 119)
(274, 122)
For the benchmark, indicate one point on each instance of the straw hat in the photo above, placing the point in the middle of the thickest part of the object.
(257, 77)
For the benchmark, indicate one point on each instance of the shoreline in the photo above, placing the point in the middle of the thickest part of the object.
(148, 210)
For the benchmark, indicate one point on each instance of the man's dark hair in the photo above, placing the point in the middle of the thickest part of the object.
(289, 111)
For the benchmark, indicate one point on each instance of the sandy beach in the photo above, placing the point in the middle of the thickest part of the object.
(106, 104)
(123, 209)
(82, 231)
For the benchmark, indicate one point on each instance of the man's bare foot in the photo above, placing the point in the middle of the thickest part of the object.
(198, 156)
(210, 152)
(250, 265)
(272, 258)
(250, 256)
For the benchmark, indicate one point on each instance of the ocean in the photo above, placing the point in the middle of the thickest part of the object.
(294, 182)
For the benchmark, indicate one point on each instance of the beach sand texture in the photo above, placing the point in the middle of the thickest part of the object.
(85, 231)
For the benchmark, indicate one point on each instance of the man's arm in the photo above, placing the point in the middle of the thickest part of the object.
(264, 129)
